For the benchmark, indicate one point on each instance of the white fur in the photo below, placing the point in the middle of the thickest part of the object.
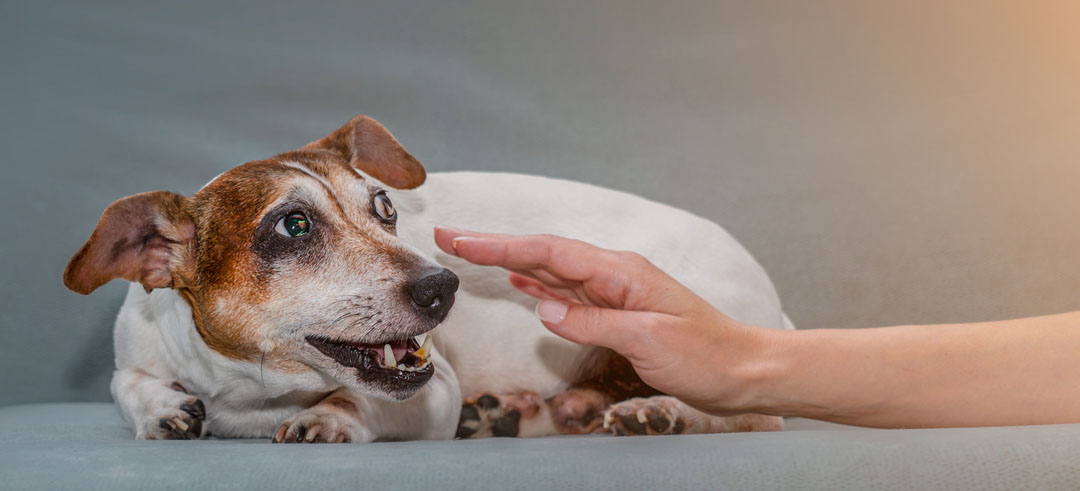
(491, 342)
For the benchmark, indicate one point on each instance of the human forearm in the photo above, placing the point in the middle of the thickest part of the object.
(982, 374)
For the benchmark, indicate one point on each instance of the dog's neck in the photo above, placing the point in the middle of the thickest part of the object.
(167, 322)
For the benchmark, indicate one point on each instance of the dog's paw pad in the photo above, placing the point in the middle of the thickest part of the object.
(489, 415)
(577, 411)
(643, 416)
(182, 423)
(319, 426)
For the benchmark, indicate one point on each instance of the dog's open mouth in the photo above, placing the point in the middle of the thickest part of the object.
(400, 362)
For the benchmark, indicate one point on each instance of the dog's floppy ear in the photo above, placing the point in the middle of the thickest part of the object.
(370, 148)
(139, 238)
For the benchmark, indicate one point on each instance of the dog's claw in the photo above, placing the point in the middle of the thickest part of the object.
(643, 416)
(318, 425)
(182, 426)
(280, 434)
(312, 433)
(180, 417)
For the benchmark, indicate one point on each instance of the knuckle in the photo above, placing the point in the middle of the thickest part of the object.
(647, 326)
(633, 259)
(652, 331)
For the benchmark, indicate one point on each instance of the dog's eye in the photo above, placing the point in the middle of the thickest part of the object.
(384, 209)
(294, 224)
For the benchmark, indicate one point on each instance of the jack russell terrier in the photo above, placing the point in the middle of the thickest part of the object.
(285, 299)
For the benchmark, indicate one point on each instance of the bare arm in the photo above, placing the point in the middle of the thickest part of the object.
(1024, 371)
(1015, 372)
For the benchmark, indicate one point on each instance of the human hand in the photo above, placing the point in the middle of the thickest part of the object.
(677, 342)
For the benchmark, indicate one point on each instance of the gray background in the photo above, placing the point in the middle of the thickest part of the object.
(910, 162)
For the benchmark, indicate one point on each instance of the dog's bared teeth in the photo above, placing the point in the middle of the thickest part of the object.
(406, 368)
(388, 356)
(425, 349)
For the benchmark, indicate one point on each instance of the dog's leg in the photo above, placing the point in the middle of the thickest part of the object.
(580, 410)
(666, 415)
(346, 416)
(609, 397)
(158, 409)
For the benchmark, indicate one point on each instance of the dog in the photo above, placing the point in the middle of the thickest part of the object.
(297, 298)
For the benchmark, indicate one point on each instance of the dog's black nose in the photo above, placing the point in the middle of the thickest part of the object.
(433, 293)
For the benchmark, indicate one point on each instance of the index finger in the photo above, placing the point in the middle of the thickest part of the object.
(566, 258)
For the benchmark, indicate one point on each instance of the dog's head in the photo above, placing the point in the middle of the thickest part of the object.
(291, 261)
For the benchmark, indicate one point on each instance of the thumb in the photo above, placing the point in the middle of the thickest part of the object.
(620, 330)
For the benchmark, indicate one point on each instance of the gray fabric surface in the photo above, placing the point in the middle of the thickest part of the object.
(87, 447)
(886, 162)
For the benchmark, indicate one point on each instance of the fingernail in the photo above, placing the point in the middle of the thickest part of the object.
(454, 242)
(551, 311)
(453, 230)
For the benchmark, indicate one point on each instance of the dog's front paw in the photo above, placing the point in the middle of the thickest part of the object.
(181, 419)
(657, 415)
(321, 425)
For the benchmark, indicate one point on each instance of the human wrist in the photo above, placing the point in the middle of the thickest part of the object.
(766, 359)
(787, 379)
(744, 364)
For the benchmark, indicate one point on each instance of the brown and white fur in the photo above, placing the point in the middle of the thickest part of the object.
(236, 328)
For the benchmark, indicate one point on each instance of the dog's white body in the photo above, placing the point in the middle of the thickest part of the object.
(491, 317)
(491, 341)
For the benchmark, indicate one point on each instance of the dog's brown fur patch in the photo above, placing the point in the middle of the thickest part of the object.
(368, 146)
(605, 378)
(611, 374)
(136, 239)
